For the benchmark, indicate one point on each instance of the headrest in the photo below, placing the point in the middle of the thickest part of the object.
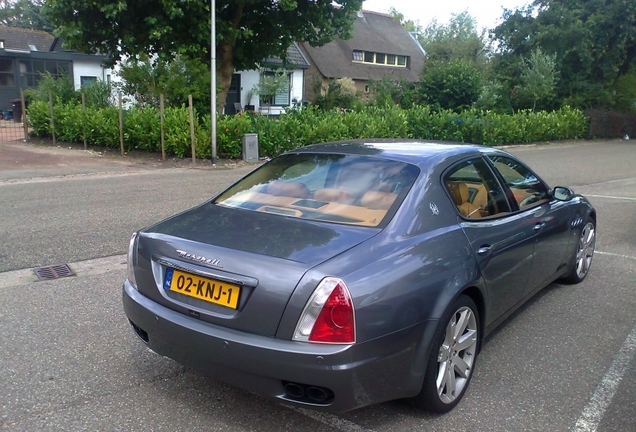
(335, 195)
(377, 200)
(287, 188)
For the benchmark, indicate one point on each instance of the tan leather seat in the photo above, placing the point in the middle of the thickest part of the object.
(333, 195)
(377, 200)
(287, 188)
(459, 193)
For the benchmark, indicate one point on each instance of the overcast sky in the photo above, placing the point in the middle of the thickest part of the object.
(487, 12)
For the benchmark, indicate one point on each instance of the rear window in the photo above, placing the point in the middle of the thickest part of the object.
(346, 189)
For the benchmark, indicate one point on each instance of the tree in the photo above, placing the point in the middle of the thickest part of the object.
(410, 25)
(538, 78)
(24, 14)
(452, 85)
(459, 40)
(248, 31)
(146, 80)
(594, 42)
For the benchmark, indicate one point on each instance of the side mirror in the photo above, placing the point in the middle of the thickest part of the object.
(562, 193)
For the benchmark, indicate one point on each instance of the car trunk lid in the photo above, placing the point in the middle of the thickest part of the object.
(226, 251)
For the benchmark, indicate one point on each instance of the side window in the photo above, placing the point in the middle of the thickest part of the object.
(526, 187)
(475, 190)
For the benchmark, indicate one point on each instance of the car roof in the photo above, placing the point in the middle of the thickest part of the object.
(406, 150)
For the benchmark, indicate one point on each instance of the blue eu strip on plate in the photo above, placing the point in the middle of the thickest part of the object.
(168, 280)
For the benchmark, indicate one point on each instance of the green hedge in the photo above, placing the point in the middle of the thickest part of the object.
(300, 127)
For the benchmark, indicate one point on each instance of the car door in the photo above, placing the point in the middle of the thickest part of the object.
(550, 217)
(502, 241)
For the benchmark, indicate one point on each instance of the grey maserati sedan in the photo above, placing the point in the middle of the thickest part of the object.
(350, 273)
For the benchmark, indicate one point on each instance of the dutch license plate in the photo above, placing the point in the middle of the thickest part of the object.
(202, 288)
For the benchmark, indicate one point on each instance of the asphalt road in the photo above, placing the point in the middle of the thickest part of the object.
(69, 361)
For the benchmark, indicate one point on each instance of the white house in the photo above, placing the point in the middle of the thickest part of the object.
(242, 94)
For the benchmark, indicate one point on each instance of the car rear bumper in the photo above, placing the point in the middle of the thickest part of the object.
(353, 376)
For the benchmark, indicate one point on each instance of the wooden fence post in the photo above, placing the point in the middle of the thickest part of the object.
(192, 138)
(121, 126)
(84, 119)
(51, 113)
(25, 120)
(161, 111)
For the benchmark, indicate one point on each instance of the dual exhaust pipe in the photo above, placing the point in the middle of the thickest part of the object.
(308, 393)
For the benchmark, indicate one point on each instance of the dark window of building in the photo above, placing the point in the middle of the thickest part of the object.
(31, 71)
(86, 81)
(6, 73)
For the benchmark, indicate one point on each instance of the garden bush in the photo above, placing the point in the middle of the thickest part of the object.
(300, 127)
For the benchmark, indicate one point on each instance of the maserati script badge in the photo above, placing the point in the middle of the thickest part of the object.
(199, 258)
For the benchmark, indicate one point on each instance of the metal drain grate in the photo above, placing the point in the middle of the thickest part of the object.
(53, 272)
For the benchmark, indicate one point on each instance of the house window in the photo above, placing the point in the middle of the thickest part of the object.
(86, 81)
(282, 97)
(367, 89)
(380, 58)
(32, 70)
(6, 73)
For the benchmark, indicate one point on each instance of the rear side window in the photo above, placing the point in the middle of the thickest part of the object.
(347, 189)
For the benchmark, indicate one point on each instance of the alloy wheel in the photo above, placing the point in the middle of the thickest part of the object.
(457, 355)
(585, 250)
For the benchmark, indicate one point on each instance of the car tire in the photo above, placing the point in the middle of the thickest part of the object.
(452, 358)
(582, 258)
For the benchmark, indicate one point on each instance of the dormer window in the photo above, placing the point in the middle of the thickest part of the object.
(381, 59)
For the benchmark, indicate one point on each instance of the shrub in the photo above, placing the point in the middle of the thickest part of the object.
(142, 129)
(454, 85)
(61, 89)
(301, 127)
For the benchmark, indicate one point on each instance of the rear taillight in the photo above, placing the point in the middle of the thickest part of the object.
(130, 271)
(329, 316)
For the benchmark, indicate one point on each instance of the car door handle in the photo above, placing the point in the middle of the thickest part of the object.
(484, 250)
(538, 226)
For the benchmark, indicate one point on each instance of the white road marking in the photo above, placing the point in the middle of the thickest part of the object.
(330, 420)
(601, 399)
(609, 197)
(615, 255)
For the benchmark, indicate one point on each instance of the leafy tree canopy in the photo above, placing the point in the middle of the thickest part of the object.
(25, 14)
(458, 40)
(538, 79)
(594, 42)
(455, 84)
(147, 79)
(410, 25)
(247, 30)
